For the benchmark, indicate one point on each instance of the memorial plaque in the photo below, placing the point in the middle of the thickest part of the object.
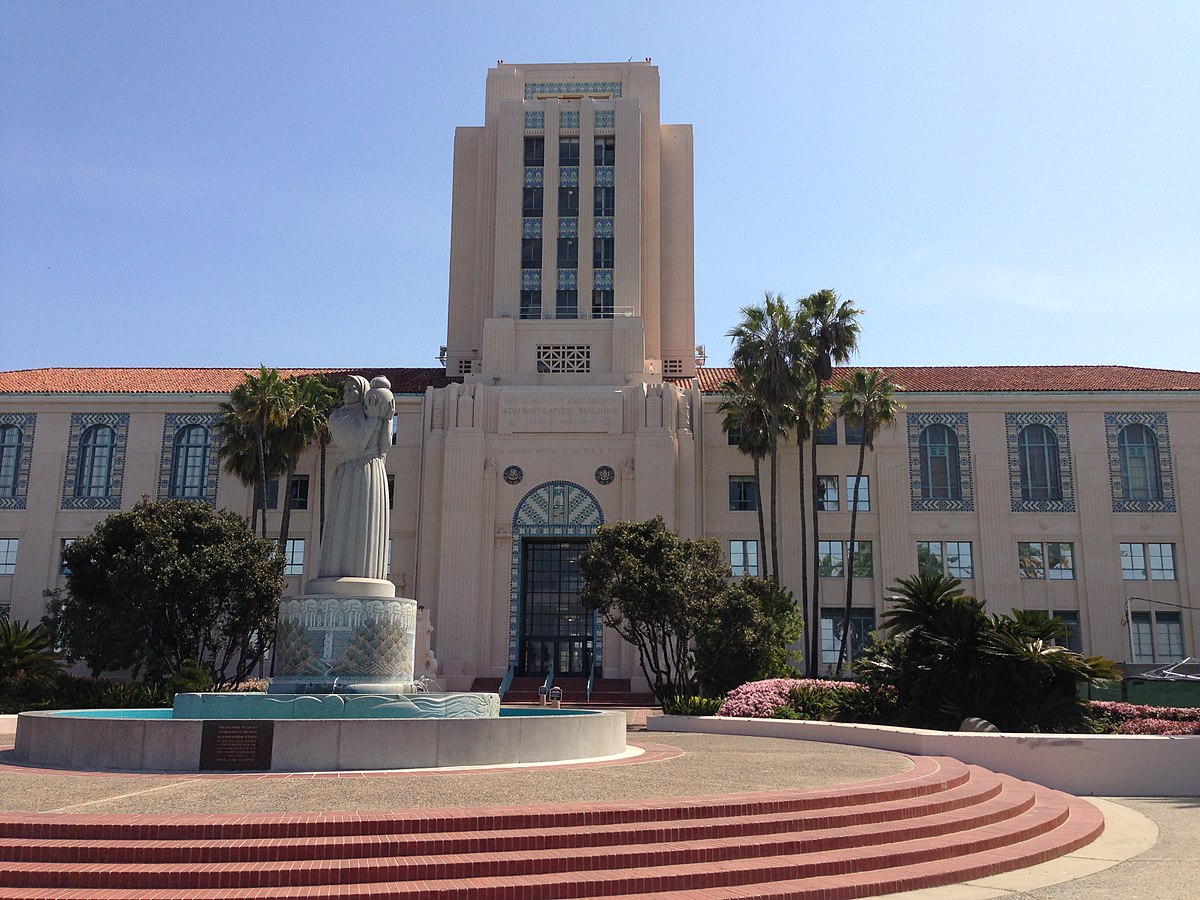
(236, 746)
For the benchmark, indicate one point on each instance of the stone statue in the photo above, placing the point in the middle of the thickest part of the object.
(354, 544)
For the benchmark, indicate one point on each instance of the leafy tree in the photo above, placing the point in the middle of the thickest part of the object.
(167, 582)
(316, 397)
(262, 403)
(869, 403)
(312, 400)
(948, 660)
(652, 587)
(827, 328)
(744, 635)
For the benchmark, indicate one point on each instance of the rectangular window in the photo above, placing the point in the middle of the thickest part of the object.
(391, 481)
(63, 568)
(395, 429)
(854, 434)
(833, 620)
(606, 151)
(1141, 637)
(860, 488)
(531, 253)
(531, 304)
(568, 252)
(1070, 618)
(535, 151)
(298, 491)
(531, 202)
(952, 558)
(1133, 562)
(864, 559)
(1162, 561)
(568, 151)
(602, 304)
(604, 201)
(828, 434)
(828, 500)
(1054, 560)
(387, 572)
(272, 494)
(1169, 636)
(566, 304)
(743, 557)
(742, 494)
(568, 201)
(8, 555)
(831, 563)
(293, 556)
(602, 253)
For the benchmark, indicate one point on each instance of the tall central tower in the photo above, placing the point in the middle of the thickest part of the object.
(572, 239)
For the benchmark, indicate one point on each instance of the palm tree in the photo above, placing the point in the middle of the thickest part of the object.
(869, 403)
(764, 347)
(828, 327)
(748, 419)
(314, 400)
(262, 402)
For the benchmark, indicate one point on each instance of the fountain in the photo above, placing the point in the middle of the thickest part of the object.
(342, 696)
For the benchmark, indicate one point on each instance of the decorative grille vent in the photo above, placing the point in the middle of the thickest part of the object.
(564, 358)
(672, 366)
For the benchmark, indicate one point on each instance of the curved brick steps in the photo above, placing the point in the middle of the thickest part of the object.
(939, 823)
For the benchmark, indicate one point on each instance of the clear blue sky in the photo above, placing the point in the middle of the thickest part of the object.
(229, 183)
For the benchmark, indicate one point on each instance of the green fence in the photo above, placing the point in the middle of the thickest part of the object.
(1149, 692)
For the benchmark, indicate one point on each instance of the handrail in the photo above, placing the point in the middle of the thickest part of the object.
(591, 680)
(507, 681)
(549, 679)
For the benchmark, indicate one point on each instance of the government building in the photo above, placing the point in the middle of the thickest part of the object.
(572, 397)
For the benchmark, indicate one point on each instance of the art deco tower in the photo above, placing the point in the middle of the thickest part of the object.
(571, 249)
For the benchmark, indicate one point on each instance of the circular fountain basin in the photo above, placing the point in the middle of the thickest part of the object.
(154, 740)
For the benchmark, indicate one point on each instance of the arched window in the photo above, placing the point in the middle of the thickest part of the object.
(97, 449)
(10, 459)
(1037, 454)
(189, 462)
(939, 464)
(1141, 476)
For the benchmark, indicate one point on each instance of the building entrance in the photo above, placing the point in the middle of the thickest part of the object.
(556, 630)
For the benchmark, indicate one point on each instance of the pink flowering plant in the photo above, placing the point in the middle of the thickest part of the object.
(805, 698)
(1133, 718)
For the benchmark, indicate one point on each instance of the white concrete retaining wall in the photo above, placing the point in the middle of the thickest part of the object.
(307, 745)
(1106, 765)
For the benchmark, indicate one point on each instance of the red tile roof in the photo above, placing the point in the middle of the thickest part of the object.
(188, 381)
(981, 379)
(934, 379)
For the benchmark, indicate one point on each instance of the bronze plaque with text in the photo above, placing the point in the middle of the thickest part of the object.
(232, 746)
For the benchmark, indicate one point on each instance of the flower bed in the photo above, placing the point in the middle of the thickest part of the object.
(1133, 718)
(765, 699)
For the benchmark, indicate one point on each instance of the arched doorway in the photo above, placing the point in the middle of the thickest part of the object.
(547, 626)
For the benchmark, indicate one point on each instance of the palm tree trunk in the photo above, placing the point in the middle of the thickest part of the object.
(815, 485)
(775, 496)
(324, 444)
(762, 526)
(285, 520)
(862, 455)
(803, 536)
(262, 475)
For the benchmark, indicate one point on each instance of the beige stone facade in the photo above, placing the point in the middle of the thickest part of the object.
(572, 398)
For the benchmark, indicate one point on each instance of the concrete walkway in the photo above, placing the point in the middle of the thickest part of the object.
(1148, 850)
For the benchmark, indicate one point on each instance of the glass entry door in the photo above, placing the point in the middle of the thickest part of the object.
(555, 628)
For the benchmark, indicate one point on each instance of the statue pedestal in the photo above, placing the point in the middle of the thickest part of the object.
(345, 636)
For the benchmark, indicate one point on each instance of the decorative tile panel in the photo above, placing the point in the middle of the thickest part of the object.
(80, 422)
(604, 227)
(534, 176)
(572, 89)
(531, 227)
(553, 509)
(568, 279)
(956, 422)
(1157, 423)
(27, 422)
(568, 119)
(568, 176)
(172, 422)
(531, 279)
(535, 119)
(568, 228)
(605, 176)
(606, 118)
(1057, 423)
(602, 279)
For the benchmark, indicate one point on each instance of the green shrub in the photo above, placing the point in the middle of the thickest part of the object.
(692, 706)
(192, 678)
